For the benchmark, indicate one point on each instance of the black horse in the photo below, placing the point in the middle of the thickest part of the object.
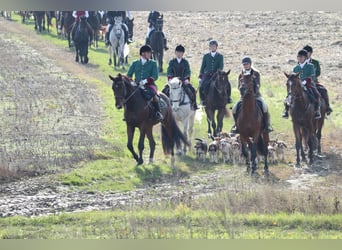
(82, 36)
(138, 114)
(39, 20)
(156, 41)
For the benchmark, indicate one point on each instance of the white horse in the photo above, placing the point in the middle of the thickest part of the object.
(118, 48)
(181, 109)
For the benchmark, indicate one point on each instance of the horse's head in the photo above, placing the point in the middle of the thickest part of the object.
(294, 84)
(246, 84)
(159, 23)
(120, 90)
(175, 86)
(221, 81)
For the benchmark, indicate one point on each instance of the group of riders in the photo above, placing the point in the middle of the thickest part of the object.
(146, 72)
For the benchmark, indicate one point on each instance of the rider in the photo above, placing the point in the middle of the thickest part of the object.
(152, 18)
(110, 17)
(180, 67)
(211, 62)
(77, 14)
(322, 90)
(146, 73)
(249, 70)
(307, 75)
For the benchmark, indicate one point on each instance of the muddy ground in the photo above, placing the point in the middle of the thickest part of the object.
(52, 118)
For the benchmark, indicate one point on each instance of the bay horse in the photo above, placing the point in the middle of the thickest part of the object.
(137, 114)
(117, 44)
(305, 127)
(82, 36)
(216, 100)
(181, 108)
(251, 128)
(95, 23)
(156, 40)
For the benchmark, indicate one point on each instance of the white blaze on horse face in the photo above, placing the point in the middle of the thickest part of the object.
(175, 92)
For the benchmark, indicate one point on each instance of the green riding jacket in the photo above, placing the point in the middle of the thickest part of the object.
(141, 72)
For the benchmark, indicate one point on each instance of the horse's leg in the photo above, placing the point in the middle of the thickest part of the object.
(253, 156)
(244, 152)
(219, 118)
(141, 145)
(185, 131)
(191, 128)
(311, 146)
(130, 135)
(110, 55)
(265, 139)
(152, 143)
(77, 56)
(298, 145)
(319, 136)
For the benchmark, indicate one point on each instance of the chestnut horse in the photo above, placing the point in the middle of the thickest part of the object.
(137, 114)
(251, 127)
(305, 126)
(216, 99)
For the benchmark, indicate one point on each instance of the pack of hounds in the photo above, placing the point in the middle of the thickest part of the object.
(226, 148)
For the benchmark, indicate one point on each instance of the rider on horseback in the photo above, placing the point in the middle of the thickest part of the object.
(146, 73)
(307, 75)
(249, 70)
(211, 62)
(180, 67)
(321, 89)
(152, 19)
(77, 14)
(110, 20)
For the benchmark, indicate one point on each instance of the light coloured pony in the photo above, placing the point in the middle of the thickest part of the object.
(118, 48)
(181, 109)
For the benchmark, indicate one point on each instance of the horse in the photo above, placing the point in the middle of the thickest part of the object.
(181, 108)
(250, 123)
(95, 23)
(156, 41)
(25, 15)
(82, 36)
(137, 114)
(66, 22)
(305, 126)
(216, 100)
(118, 45)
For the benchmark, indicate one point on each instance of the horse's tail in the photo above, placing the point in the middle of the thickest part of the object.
(261, 147)
(171, 134)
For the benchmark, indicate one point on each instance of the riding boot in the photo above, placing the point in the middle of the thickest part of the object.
(286, 112)
(165, 44)
(158, 115)
(191, 92)
(317, 110)
(267, 122)
(234, 128)
(325, 96)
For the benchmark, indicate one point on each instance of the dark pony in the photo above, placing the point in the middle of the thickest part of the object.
(216, 100)
(305, 126)
(138, 115)
(156, 40)
(82, 36)
(66, 21)
(249, 121)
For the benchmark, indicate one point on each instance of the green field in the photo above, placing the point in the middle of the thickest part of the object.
(207, 218)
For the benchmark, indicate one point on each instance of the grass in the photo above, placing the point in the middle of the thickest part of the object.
(178, 223)
(252, 213)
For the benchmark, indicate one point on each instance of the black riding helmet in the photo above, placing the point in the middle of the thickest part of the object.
(213, 42)
(145, 48)
(180, 48)
(308, 48)
(246, 60)
(302, 52)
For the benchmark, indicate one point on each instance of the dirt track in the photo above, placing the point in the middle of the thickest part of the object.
(52, 118)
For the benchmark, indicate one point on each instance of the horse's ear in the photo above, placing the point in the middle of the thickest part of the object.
(228, 72)
(287, 75)
(119, 75)
(297, 75)
(111, 78)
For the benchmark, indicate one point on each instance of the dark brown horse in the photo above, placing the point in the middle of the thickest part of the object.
(249, 121)
(138, 114)
(216, 100)
(305, 126)
(156, 41)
